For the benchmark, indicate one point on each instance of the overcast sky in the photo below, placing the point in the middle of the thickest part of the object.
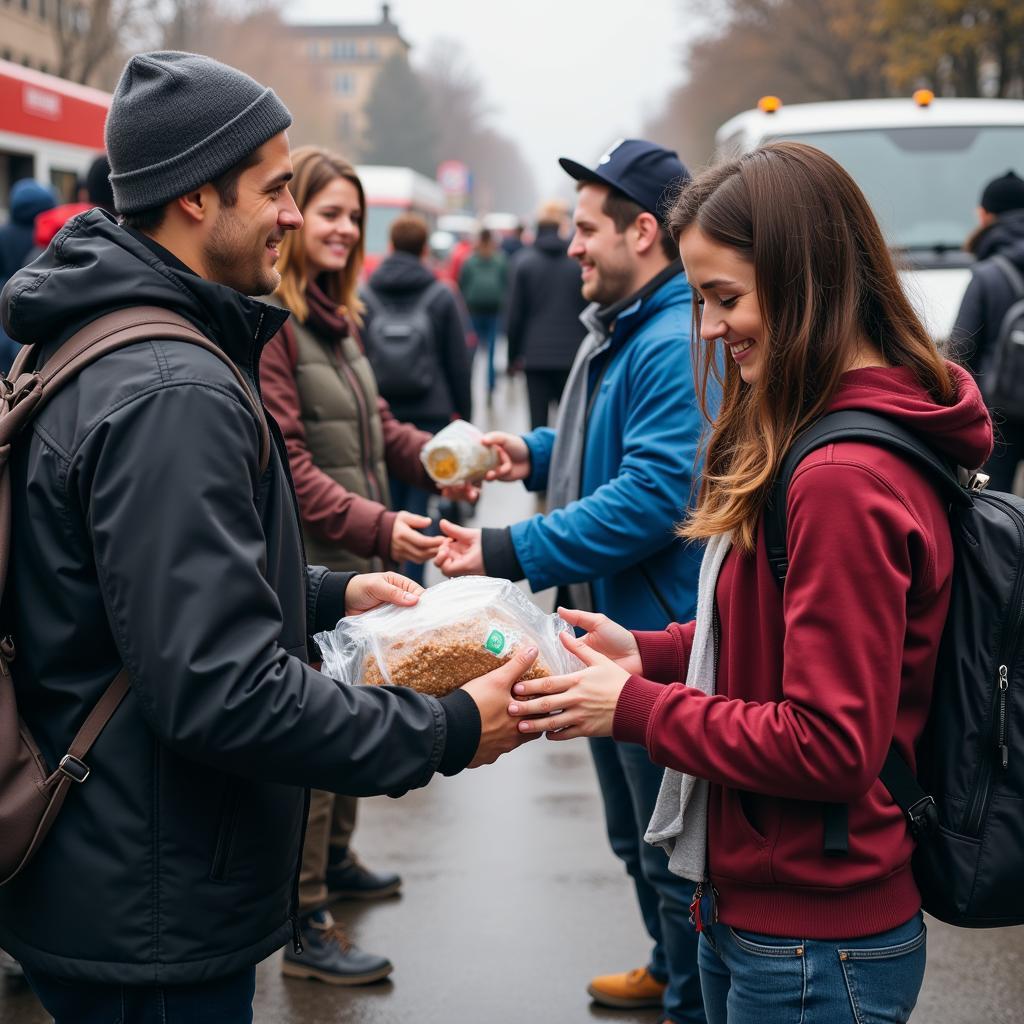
(565, 77)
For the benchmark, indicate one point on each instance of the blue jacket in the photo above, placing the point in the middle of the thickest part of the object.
(638, 471)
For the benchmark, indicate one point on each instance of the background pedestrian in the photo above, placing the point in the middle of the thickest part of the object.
(483, 280)
(544, 307)
(992, 291)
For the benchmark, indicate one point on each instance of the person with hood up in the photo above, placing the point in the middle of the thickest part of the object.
(775, 701)
(426, 381)
(28, 200)
(990, 293)
(544, 307)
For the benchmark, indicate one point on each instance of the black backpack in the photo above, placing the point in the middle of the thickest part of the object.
(400, 344)
(1003, 384)
(965, 806)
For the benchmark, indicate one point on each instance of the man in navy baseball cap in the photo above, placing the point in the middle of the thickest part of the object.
(647, 173)
(614, 468)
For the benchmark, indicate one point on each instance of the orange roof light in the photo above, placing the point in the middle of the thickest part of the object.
(924, 97)
(769, 104)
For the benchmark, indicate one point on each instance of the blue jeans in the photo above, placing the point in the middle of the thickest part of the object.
(761, 979)
(629, 784)
(226, 1000)
(485, 327)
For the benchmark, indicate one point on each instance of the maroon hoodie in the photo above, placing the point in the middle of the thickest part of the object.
(814, 684)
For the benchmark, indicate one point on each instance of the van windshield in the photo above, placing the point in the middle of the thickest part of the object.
(924, 183)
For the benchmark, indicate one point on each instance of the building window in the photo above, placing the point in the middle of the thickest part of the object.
(344, 84)
(313, 49)
(344, 49)
(372, 49)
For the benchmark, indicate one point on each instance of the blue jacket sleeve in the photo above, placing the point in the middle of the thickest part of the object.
(634, 514)
(541, 443)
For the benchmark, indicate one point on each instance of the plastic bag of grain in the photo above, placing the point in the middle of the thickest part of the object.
(457, 455)
(459, 629)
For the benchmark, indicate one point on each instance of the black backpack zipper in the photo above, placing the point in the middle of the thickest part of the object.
(997, 730)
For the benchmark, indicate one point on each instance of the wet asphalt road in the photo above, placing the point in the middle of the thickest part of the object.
(512, 899)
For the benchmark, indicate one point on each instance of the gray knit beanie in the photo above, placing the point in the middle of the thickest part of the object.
(179, 120)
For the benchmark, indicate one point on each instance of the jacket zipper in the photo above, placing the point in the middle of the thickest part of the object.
(365, 441)
(998, 724)
(294, 915)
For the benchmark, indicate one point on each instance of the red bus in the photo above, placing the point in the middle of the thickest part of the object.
(50, 129)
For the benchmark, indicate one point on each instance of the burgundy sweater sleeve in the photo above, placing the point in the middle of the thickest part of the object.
(402, 446)
(665, 657)
(328, 510)
(845, 629)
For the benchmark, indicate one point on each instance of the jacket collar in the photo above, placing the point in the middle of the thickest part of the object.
(624, 317)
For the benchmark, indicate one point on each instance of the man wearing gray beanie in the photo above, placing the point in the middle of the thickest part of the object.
(149, 539)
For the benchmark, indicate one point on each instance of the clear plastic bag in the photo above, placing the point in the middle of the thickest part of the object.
(460, 629)
(455, 455)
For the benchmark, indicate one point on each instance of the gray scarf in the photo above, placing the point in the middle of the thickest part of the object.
(571, 429)
(679, 824)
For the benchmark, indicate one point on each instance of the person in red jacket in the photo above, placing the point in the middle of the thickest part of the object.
(774, 702)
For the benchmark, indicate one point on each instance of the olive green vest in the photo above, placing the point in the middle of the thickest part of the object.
(338, 407)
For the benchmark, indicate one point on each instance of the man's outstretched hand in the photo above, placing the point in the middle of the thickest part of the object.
(499, 731)
(369, 590)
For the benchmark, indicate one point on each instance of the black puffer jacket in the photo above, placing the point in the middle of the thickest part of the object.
(989, 294)
(398, 283)
(144, 535)
(544, 305)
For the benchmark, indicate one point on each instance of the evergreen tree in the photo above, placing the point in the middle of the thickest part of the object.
(401, 128)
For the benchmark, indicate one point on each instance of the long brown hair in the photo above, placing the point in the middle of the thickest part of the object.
(314, 169)
(825, 279)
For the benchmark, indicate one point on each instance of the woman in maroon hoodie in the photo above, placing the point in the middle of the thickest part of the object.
(785, 700)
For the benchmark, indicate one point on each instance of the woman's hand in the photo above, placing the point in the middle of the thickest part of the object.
(368, 590)
(579, 704)
(408, 544)
(607, 638)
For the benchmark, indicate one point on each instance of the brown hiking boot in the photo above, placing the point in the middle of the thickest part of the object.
(632, 990)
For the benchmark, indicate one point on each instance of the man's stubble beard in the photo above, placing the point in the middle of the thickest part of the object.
(232, 261)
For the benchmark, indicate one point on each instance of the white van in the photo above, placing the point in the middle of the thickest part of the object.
(922, 164)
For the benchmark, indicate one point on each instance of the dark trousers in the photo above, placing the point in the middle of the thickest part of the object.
(226, 1000)
(543, 389)
(629, 784)
(1008, 451)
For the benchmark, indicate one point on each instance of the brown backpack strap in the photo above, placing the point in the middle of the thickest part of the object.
(27, 392)
(72, 767)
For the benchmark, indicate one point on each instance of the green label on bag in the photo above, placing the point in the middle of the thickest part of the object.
(495, 642)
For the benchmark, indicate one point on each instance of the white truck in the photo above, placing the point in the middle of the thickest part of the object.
(922, 163)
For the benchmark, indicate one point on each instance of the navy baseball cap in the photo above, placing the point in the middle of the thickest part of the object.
(645, 172)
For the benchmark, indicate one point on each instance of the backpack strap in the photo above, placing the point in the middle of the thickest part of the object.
(1011, 273)
(26, 393)
(855, 425)
(851, 425)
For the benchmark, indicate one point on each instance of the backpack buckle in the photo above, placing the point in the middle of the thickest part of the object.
(922, 817)
(75, 769)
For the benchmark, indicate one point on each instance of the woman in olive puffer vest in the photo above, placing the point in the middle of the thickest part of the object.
(342, 443)
(318, 384)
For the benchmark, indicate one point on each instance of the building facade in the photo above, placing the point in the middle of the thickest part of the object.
(28, 33)
(345, 60)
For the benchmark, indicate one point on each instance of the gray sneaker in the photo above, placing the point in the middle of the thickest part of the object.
(329, 956)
